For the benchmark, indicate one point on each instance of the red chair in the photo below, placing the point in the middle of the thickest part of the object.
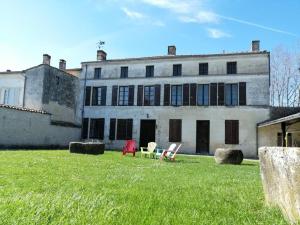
(130, 147)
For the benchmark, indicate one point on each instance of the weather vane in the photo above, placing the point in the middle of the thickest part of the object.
(100, 44)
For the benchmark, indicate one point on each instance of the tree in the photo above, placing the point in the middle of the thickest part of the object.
(285, 77)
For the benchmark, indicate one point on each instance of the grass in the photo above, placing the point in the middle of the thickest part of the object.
(56, 187)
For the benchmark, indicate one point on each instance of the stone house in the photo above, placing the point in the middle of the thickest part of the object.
(202, 101)
(38, 106)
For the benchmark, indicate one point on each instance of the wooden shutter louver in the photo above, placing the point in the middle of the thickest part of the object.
(85, 125)
(87, 96)
(220, 93)
(242, 93)
(103, 96)
(174, 130)
(112, 129)
(131, 95)
(213, 94)
(114, 96)
(129, 124)
(157, 95)
(186, 94)
(140, 95)
(193, 94)
(166, 94)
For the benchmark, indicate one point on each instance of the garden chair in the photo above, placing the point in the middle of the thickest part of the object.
(129, 147)
(150, 150)
(167, 154)
(159, 151)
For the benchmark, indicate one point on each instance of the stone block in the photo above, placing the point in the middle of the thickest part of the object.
(228, 156)
(87, 148)
(280, 173)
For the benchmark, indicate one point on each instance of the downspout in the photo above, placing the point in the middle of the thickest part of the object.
(24, 90)
(83, 100)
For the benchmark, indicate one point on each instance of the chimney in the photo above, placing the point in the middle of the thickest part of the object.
(255, 46)
(62, 64)
(172, 50)
(101, 55)
(46, 59)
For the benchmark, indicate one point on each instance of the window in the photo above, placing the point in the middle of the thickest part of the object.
(174, 130)
(203, 94)
(123, 95)
(97, 128)
(177, 70)
(231, 94)
(88, 96)
(176, 95)
(99, 96)
(6, 97)
(149, 71)
(97, 73)
(85, 127)
(149, 95)
(203, 68)
(231, 68)
(232, 132)
(124, 129)
(124, 72)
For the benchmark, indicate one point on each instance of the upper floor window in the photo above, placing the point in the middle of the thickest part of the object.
(149, 95)
(149, 71)
(231, 94)
(203, 68)
(124, 71)
(177, 69)
(99, 96)
(231, 68)
(97, 73)
(203, 94)
(176, 95)
(123, 95)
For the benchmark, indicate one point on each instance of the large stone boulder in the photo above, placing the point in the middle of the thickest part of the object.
(228, 156)
(93, 148)
(280, 173)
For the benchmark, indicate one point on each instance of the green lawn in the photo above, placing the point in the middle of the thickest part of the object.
(56, 187)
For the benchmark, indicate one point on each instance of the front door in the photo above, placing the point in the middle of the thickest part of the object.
(147, 132)
(202, 137)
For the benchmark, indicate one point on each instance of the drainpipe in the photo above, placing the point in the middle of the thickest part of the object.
(83, 100)
(24, 90)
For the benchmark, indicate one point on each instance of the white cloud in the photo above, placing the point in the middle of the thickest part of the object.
(216, 33)
(207, 17)
(133, 14)
(177, 6)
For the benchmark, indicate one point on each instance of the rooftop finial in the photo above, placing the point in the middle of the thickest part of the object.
(100, 44)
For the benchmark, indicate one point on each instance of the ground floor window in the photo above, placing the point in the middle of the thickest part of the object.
(174, 130)
(231, 132)
(124, 129)
(97, 129)
(93, 128)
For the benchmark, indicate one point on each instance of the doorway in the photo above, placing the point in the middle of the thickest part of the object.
(202, 137)
(147, 132)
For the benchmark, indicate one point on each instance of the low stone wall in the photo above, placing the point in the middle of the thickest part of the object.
(280, 172)
(25, 129)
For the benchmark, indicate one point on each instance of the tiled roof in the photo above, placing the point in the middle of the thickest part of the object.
(23, 109)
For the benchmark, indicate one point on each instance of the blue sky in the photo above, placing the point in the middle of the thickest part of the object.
(70, 29)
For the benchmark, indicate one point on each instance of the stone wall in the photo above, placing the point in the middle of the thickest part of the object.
(24, 129)
(280, 172)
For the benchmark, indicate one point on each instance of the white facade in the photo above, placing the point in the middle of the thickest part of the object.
(252, 69)
(12, 88)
